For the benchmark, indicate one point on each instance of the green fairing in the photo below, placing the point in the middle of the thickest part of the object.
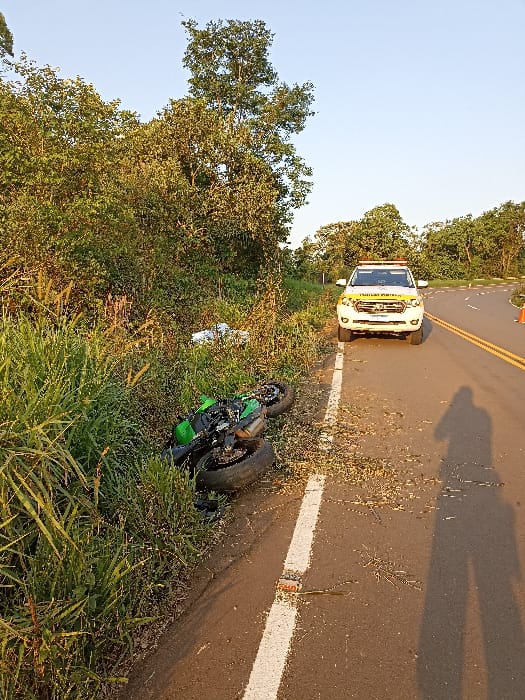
(206, 402)
(251, 405)
(184, 433)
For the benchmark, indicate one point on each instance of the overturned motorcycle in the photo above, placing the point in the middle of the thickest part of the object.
(221, 441)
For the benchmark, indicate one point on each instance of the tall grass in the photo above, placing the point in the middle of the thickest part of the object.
(95, 530)
(81, 555)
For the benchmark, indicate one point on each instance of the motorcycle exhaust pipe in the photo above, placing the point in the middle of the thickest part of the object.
(256, 427)
(176, 454)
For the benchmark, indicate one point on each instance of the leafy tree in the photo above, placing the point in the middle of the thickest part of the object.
(6, 38)
(490, 244)
(439, 256)
(231, 71)
(59, 205)
(383, 233)
(229, 64)
(302, 262)
(204, 203)
(504, 230)
(337, 247)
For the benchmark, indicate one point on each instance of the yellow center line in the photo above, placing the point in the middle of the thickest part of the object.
(503, 354)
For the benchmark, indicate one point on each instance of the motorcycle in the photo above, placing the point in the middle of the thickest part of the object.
(221, 440)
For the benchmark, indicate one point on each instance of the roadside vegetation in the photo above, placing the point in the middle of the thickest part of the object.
(120, 238)
(518, 298)
(479, 281)
(466, 249)
(97, 533)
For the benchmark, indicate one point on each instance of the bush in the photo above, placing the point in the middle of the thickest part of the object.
(89, 528)
(95, 530)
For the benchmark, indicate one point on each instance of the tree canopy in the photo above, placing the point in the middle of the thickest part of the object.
(492, 244)
(6, 38)
(231, 71)
(336, 248)
(89, 193)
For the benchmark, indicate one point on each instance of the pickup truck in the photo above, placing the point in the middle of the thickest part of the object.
(381, 296)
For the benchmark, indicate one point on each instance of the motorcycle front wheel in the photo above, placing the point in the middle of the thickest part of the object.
(278, 397)
(230, 470)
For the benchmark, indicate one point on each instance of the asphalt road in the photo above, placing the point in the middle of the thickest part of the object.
(415, 587)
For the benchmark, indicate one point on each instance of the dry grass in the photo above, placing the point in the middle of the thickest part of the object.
(386, 570)
(379, 484)
(301, 451)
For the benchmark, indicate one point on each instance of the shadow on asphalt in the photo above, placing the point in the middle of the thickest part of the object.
(474, 557)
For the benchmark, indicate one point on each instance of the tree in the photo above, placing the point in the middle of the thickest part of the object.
(6, 38)
(439, 256)
(336, 248)
(60, 208)
(203, 200)
(504, 228)
(381, 233)
(467, 246)
(230, 70)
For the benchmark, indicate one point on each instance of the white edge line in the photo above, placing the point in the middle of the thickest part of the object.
(268, 667)
(269, 663)
(298, 557)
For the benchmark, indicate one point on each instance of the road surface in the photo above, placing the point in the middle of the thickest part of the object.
(414, 586)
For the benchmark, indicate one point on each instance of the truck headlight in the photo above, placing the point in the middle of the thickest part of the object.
(414, 302)
(346, 302)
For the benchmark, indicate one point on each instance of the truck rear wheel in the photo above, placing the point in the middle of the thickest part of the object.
(344, 335)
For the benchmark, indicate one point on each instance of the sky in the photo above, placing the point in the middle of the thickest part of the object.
(418, 103)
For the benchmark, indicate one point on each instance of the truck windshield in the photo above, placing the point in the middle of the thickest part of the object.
(382, 278)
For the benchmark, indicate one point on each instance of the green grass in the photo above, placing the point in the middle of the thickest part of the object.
(95, 531)
(90, 526)
(474, 282)
(301, 293)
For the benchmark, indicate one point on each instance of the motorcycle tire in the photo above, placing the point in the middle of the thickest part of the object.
(253, 457)
(278, 397)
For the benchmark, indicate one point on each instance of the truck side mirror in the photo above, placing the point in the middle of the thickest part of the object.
(341, 282)
(421, 284)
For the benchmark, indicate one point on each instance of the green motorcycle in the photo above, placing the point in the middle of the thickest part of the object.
(221, 440)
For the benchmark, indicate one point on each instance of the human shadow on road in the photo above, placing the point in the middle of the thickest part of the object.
(474, 558)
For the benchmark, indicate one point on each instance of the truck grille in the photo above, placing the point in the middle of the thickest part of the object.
(380, 306)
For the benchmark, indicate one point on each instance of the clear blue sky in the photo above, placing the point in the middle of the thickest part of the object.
(420, 103)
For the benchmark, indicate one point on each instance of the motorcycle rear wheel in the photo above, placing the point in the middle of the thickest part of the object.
(278, 397)
(230, 471)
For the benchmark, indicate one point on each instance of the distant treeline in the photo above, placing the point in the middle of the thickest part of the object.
(490, 245)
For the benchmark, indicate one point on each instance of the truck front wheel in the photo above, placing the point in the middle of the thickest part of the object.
(415, 337)
(344, 335)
